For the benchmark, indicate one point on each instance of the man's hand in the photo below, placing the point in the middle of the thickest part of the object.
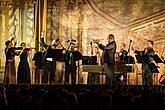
(96, 41)
(14, 36)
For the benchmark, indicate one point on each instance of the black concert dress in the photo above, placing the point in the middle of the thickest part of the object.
(10, 70)
(23, 73)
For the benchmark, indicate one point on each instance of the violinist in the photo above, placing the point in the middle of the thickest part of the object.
(10, 70)
(147, 72)
(23, 73)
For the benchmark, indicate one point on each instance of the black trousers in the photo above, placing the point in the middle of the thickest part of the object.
(49, 70)
(70, 69)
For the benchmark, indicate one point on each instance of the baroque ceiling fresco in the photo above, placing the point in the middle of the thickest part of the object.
(126, 12)
(139, 20)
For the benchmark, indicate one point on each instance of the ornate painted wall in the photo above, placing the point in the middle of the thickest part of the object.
(17, 19)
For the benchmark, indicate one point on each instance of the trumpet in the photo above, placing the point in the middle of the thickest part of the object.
(97, 40)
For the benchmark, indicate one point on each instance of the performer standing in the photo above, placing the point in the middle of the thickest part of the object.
(98, 54)
(123, 60)
(93, 77)
(10, 70)
(109, 58)
(123, 53)
(70, 65)
(49, 61)
(147, 73)
(23, 73)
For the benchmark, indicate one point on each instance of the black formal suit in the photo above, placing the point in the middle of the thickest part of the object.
(49, 63)
(108, 52)
(108, 58)
(70, 66)
(71, 56)
(147, 68)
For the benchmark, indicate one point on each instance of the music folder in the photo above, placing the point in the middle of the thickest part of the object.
(157, 59)
(53, 53)
(129, 60)
(145, 58)
(141, 57)
(153, 68)
(89, 60)
(77, 55)
(37, 56)
(38, 59)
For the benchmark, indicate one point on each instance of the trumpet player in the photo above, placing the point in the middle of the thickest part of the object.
(108, 58)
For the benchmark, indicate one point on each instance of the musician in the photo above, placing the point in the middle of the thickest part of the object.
(109, 58)
(49, 61)
(10, 70)
(23, 73)
(98, 54)
(123, 53)
(93, 77)
(70, 65)
(147, 72)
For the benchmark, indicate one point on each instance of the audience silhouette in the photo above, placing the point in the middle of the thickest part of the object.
(30, 97)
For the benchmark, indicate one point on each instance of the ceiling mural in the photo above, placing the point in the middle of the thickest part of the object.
(125, 12)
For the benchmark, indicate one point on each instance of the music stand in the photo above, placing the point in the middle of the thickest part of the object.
(77, 55)
(141, 57)
(129, 60)
(89, 60)
(59, 55)
(55, 53)
(38, 59)
(144, 58)
(153, 68)
(138, 58)
(157, 59)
